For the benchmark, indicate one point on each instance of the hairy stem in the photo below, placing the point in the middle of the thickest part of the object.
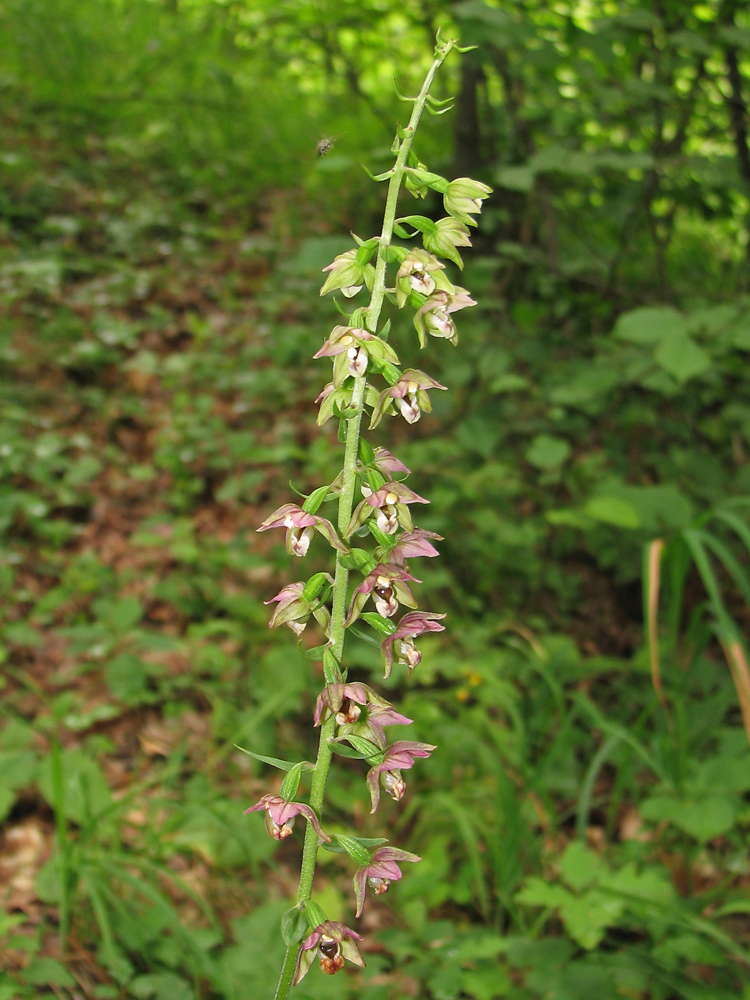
(346, 502)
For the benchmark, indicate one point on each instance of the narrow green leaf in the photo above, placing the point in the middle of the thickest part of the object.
(283, 765)
(355, 630)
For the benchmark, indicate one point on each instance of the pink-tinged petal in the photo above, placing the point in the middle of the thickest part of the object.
(394, 854)
(373, 783)
(384, 869)
(360, 890)
(312, 939)
(388, 463)
(258, 805)
(276, 520)
(416, 543)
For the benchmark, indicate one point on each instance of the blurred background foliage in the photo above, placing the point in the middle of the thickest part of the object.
(163, 222)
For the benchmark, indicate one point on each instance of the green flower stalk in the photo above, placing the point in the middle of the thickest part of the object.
(350, 715)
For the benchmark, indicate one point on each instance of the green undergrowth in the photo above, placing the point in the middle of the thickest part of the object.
(578, 838)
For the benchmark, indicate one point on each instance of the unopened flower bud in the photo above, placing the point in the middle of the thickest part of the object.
(464, 198)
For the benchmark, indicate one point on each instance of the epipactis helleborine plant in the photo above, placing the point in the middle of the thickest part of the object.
(351, 716)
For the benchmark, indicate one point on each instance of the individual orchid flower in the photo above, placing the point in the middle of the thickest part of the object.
(334, 943)
(293, 609)
(409, 395)
(388, 464)
(388, 586)
(389, 504)
(434, 317)
(299, 528)
(383, 461)
(359, 711)
(398, 757)
(448, 234)
(379, 873)
(401, 642)
(464, 198)
(417, 274)
(351, 347)
(280, 816)
(412, 545)
(334, 401)
(348, 274)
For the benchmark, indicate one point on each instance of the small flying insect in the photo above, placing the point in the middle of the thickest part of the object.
(326, 145)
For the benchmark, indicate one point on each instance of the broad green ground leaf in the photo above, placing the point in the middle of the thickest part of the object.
(547, 452)
(650, 325)
(679, 355)
(701, 818)
(612, 510)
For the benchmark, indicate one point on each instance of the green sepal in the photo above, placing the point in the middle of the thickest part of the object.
(400, 231)
(290, 784)
(356, 851)
(315, 916)
(366, 842)
(283, 765)
(385, 331)
(366, 452)
(364, 636)
(357, 319)
(314, 500)
(358, 559)
(383, 625)
(420, 222)
(294, 926)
